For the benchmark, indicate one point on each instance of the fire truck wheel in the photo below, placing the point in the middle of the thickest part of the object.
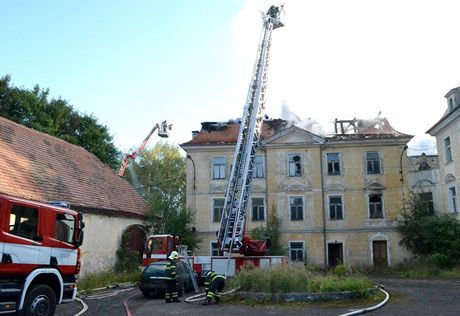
(40, 301)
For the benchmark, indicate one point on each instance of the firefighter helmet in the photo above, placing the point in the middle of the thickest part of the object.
(174, 255)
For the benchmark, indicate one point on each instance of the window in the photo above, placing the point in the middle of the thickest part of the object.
(335, 207)
(296, 251)
(217, 208)
(65, 225)
(447, 150)
(373, 162)
(259, 167)
(333, 164)
(375, 206)
(218, 168)
(24, 221)
(295, 165)
(214, 250)
(453, 200)
(296, 207)
(258, 210)
(426, 202)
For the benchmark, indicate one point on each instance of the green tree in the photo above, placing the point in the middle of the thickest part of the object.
(159, 175)
(430, 235)
(56, 117)
(272, 232)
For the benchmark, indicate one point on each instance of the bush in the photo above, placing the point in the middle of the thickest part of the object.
(296, 279)
(127, 259)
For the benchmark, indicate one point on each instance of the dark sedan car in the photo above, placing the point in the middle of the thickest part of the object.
(153, 278)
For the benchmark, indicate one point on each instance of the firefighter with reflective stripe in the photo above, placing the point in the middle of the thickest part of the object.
(172, 295)
(214, 283)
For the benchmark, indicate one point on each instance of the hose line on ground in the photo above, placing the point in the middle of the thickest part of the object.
(372, 308)
(201, 296)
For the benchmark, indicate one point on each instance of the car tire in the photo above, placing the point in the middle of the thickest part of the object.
(146, 293)
(40, 300)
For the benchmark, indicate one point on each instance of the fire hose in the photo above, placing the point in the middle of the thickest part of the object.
(201, 296)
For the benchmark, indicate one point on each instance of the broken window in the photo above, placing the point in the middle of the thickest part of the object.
(453, 208)
(335, 208)
(258, 169)
(447, 150)
(296, 207)
(296, 251)
(295, 165)
(217, 208)
(375, 206)
(218, 167)
(373, 162)
(258, 209)
(333, 164)
(426, 201)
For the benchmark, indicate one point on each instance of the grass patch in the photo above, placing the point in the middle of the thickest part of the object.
(298, 279)
(106, 279)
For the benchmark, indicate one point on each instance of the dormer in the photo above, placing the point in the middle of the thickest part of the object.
(453, 98)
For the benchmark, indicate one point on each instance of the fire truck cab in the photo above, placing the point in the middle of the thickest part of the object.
(39, 253)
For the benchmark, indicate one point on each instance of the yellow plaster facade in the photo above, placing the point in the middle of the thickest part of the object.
(338, 197)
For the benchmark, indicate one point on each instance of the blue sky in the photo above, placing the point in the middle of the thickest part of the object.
(135, 63)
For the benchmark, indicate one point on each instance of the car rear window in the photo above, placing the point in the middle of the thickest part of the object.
(158, 269)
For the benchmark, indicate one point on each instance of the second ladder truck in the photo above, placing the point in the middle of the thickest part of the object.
(230, 236)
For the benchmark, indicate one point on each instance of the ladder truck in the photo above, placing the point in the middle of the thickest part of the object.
(230, 236)
(162, 132)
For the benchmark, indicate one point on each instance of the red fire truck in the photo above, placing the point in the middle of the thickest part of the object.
(40, 256)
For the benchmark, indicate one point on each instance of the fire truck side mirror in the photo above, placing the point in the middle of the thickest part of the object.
(79, 240)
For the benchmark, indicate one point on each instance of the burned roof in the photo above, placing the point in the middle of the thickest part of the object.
(227, 132)
(378, 128)
(43, 168)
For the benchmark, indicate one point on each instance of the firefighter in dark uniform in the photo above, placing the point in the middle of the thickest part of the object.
(172, 295)
(214, 283)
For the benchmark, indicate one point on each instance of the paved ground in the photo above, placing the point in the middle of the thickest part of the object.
(408, 297)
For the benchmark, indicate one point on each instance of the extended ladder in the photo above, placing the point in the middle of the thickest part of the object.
(232, 224)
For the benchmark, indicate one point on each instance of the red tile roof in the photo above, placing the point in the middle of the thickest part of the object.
(227, 133)
(43, 168)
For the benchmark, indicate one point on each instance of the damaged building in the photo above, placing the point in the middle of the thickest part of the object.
(337, 196)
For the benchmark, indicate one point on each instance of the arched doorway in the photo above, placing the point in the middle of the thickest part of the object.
(135, 237)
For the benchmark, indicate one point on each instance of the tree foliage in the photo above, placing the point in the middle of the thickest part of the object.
(160, 177)
(56, 117)
(430, 235)
(272, 232)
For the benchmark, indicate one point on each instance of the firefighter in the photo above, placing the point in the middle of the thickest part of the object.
(214, 283)
(172, 295)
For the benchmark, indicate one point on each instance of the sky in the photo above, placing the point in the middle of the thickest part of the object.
(133, 64)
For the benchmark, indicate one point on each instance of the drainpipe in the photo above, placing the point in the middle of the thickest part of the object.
(321, 148)
(401, 178)
(193, 188)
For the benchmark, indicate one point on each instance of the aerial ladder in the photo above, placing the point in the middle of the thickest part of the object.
(230, 236)
(162, 128)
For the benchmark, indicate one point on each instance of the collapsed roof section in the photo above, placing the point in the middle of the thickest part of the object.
(365, 129)
(212, 133)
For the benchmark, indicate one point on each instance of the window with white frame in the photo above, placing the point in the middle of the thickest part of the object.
(259, 167)
(333, 164)
(453, 207)
(218, 167)
(373, 162)
(296, 208)
(335, 207)
(447, 150)
(295, 165)
(375, 206)
(217, 208)
(296, 251)
(258, 209)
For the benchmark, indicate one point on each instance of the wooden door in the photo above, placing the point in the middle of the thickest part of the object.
(380, 254)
